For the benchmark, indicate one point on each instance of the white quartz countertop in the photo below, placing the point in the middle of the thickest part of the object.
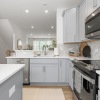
(8, 70)
(68, 57)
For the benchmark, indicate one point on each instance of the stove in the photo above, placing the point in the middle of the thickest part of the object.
(85, 79)
(87, 66)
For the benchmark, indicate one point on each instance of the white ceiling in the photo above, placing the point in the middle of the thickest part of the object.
(14, 10)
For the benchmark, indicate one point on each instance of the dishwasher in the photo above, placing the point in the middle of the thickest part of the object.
(26, 70)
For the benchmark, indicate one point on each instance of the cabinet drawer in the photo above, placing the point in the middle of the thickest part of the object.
(44, 61)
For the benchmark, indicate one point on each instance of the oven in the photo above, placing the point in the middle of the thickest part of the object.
(85, 82)
(88, 91)
(84, 86)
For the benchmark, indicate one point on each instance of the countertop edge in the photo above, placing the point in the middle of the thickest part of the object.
(12, 73)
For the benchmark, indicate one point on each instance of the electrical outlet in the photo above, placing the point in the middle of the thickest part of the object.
(11, 91)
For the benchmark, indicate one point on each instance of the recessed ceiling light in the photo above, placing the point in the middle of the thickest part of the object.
(93, 14)
(52, 27)
(46, 11)
(32, 26)
(27, 11)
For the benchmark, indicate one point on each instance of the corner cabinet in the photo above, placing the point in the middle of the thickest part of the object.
(70, 24)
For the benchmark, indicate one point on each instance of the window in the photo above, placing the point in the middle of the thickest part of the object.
(38, 45)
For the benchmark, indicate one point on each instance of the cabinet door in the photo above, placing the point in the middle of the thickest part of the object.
(37, 73)
(96, 4)
(82, 17)
(71, 78)
(62, 70)
(70, 73)
(65, 28)
(71, 25)
(51, 73)
(89, 7)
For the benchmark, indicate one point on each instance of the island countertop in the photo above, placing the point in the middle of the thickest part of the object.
(8, 70)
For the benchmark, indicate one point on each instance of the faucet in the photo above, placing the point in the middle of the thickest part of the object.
(44, 48)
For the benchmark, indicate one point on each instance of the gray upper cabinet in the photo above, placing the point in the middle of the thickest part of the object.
(89, 7)
(96, 4)
(70, 33)
(82, 17)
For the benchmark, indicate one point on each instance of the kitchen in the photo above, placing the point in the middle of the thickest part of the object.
(56, 44)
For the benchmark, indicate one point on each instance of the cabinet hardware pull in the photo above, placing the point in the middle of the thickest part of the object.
(60, 64)
(43, 68)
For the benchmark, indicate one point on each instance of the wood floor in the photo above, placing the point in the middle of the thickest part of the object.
(66, 90)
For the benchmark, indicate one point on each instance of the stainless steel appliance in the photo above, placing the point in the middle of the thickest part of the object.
(92, 25)
(26, 70)
(88, 79)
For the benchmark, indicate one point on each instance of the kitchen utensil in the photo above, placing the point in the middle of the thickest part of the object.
(87, 51)
(82, 45)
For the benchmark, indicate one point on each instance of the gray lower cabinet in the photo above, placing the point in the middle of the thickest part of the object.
(43, 70)
(43, 73)
(36, 73)
(48, 71)
(51, 73)
(70, 73)
(63, 71)
(11, 89)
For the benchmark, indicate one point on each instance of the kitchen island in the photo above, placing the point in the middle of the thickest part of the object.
(11, 79)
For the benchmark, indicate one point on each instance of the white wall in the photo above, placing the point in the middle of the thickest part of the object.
(6, 32)
(6, 38)
(19, 34)
(3, 48)
(59, 25)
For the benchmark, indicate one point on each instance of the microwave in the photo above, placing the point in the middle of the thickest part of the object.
(92, 25)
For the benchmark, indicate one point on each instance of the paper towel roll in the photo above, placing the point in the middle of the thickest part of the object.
(56, 52)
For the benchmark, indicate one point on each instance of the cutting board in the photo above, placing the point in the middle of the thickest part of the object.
(82, 45)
